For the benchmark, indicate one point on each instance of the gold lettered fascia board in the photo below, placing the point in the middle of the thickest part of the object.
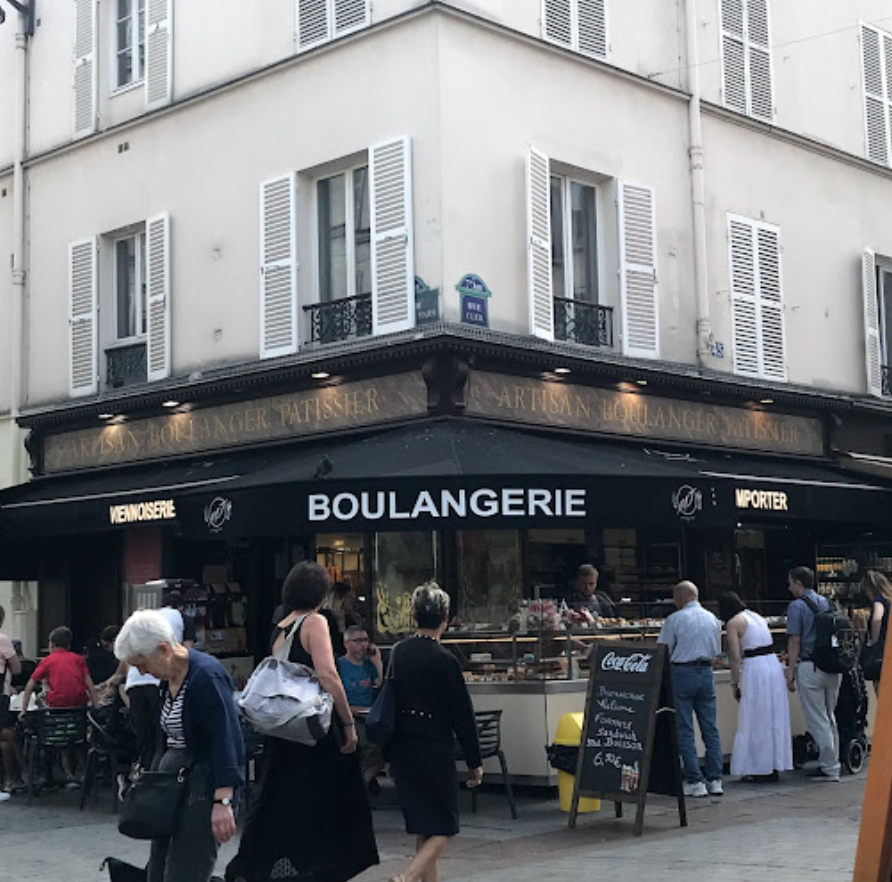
(633, 414)
(297, 415)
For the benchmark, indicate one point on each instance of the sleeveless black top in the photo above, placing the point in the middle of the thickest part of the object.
(298, 654)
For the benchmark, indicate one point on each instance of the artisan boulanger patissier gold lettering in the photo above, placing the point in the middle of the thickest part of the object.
(630, 413)
(137, 512)
(351, 404)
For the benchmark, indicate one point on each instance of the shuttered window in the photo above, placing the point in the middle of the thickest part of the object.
(83, 317)
(85, 71)
(757, 299)
(158, 296)
(159, 53)
(876, 59)
(319, 21)
(278, 267)
(580, 25)
(392, 236)
(747, 81)
(539, 258)
(638, 270)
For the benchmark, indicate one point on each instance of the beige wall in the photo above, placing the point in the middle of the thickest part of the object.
(209, 182)
(828, 212)
(597, 126)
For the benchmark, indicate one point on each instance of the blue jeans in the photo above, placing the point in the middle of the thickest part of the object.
(694, 689)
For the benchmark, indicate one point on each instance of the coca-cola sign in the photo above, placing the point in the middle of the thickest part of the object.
(636, 663)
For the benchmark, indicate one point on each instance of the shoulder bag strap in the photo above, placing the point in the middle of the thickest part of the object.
(284, 651)
(811, 604)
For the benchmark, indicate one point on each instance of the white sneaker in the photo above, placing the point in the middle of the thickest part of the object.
(695, 789)
(714, 788)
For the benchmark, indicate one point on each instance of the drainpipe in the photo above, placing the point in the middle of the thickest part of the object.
(698, 185)
(18, 219)
(24, 22)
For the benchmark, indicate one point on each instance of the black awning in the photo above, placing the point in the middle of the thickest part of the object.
(423, 476)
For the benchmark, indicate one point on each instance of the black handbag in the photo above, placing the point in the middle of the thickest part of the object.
(151, 807)
(380, 724)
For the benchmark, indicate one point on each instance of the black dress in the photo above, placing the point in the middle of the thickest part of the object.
(309, 818)
(433, 709)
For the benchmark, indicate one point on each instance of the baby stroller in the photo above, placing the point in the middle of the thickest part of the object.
(851, 720)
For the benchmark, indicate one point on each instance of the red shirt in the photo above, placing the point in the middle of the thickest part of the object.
(67, 674)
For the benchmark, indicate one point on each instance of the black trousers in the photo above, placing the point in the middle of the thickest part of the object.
(145, 717)
(191, 853)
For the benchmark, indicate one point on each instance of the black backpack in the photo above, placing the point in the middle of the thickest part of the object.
(836, 643)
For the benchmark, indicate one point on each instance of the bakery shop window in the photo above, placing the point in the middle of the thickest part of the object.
(343, 556)
(403, 561)
(489, 578)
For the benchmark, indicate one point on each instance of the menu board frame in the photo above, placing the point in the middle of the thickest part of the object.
(626, 672)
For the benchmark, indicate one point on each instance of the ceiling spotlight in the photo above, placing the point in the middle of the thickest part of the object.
(171, 403)
(766, 401)
(106, 416)
(562, 370)
(117, 420)
(320, 375)
(641, 382)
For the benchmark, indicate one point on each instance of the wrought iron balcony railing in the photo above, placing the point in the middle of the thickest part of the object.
(587, 323)
(343, 319)
(126, 366)
(887, 381)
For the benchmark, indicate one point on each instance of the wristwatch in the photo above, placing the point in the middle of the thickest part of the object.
(227, 800)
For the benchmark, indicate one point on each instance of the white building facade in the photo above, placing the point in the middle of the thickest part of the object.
(688, 187)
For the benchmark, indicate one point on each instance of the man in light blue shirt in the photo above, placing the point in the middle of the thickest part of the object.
(818, 690)
(693, 636)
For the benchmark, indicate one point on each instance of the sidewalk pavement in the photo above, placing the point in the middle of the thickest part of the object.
(790, 831)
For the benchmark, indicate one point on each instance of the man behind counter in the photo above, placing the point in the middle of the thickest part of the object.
(588, 597)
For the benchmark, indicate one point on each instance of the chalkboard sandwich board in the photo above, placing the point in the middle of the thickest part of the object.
(629, 740)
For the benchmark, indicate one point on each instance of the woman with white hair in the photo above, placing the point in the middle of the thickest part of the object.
(200, 728)
(433, 709)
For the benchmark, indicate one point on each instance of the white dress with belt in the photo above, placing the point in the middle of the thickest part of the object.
(763, 743)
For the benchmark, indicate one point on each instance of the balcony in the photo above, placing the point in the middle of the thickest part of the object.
(126, 366)
(337, 320)
(586, 323)
(887, 385)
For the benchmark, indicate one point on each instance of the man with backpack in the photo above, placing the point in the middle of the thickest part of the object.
(818, 688)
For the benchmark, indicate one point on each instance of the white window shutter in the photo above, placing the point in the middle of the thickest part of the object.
(757, 301)
(85, 70)
(349, 16)
(278, 266)
(313, 23)
(734, 55)
(638, 270)
(876, 48)
(158, 291)
(872, 348)
(159, 53)
(761, 88)
(771, 305)
(83, 342)
(592, 27)
(744, 296)
(557, 22)
(539, 244)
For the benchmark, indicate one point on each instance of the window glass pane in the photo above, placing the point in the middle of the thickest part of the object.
(363, 221)
(143, 288)
(125, 67)
(489, 576)
(141, 40)
(558, 276)
(125, 287)
(585, 243)
(403, 561)
(332, 239)
(886, 313)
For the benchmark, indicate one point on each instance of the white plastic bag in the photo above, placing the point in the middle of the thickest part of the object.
(285, 699)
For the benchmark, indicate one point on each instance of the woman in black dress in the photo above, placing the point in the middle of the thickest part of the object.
(433, 708)
(309, 819)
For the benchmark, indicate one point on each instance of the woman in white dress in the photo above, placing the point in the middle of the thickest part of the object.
(763, 746)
